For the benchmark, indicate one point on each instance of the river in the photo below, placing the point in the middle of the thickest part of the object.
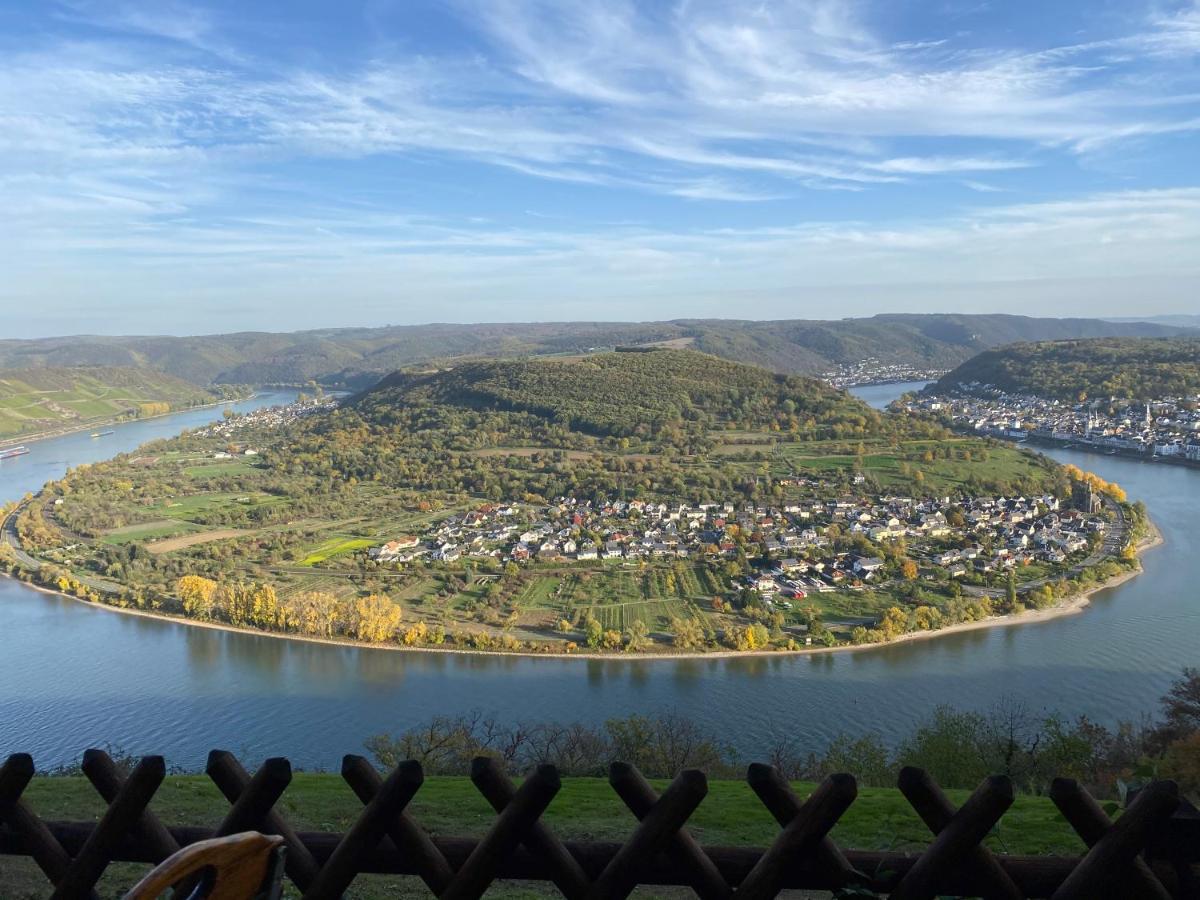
(72, 677)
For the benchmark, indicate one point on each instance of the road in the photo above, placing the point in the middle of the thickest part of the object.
(8, 535)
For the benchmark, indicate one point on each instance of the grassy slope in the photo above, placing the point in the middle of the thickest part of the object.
(585, 809)
(35, 400)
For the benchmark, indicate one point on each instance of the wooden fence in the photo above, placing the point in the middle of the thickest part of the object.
(1151, 850)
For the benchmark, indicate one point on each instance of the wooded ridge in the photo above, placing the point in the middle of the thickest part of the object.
(356, 357)
(1124, 368)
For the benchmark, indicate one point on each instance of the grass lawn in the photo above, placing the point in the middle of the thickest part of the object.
(852, 604)
(585, 809)
(887, 464)
(538, 594)
(148, 531)
(214, 469)
(196, 505)
(655, 613)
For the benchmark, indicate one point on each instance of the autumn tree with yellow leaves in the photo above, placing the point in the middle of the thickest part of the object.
(375, 619)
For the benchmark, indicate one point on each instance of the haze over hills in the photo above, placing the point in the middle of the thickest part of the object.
(1126, 368)
(1178, 321)
(356, 357)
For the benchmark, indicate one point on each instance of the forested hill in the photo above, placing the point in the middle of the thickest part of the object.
(1127, 368)
(356, 357)
(625, 393)
(37, 400)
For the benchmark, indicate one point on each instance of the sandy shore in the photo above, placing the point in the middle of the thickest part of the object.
(1071, 607)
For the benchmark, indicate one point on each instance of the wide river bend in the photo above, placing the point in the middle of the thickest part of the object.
(73, 677)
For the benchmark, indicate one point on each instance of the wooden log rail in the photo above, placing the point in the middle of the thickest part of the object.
(1150, 851)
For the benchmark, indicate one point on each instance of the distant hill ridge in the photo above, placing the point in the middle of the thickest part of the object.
(356, 357)
(1126, 368)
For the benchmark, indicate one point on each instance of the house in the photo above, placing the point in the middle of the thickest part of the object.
(867, 565)
(765, 584)
(447, 553)
(393, 550)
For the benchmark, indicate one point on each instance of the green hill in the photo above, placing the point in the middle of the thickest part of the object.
(357, 357)
(1126, 368)
(626, 393)
(44, 399)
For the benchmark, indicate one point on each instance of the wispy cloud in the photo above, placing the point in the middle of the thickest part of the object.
(152, 136)
(570, 90)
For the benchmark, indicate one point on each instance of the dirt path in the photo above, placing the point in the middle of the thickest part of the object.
(167, 545)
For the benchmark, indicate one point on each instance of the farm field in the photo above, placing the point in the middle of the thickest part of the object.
(147, 531)
(37, 400)
(913, 462)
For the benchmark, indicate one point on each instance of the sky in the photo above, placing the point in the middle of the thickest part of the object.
(202, 167)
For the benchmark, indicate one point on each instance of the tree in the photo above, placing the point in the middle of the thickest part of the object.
(264, 608)
(894, 622)
(1181, 707)
(927, 618)
(196, 595)
(1181, 762)
(908, 568)
(762, 638)
(593, 631)
(313, 612)
(415, 634)
(375, 619)
(687, 633)
(637, 636)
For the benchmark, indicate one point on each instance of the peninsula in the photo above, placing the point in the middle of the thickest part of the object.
(631, 502)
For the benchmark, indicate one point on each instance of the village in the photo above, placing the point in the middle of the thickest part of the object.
(268, 417)
(1166, 429)
(874, 371)
(795, 550)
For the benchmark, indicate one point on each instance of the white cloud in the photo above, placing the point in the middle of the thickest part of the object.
(617, 94)
(164, 151)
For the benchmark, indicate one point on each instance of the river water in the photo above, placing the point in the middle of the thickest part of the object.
(72, 677)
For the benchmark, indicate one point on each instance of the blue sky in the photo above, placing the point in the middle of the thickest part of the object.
(187, 168)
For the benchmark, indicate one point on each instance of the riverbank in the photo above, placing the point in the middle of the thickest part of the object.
(26, 439)
(1072, 607)
(1084, 446)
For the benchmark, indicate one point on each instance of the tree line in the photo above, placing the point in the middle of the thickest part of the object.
(957, 747)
